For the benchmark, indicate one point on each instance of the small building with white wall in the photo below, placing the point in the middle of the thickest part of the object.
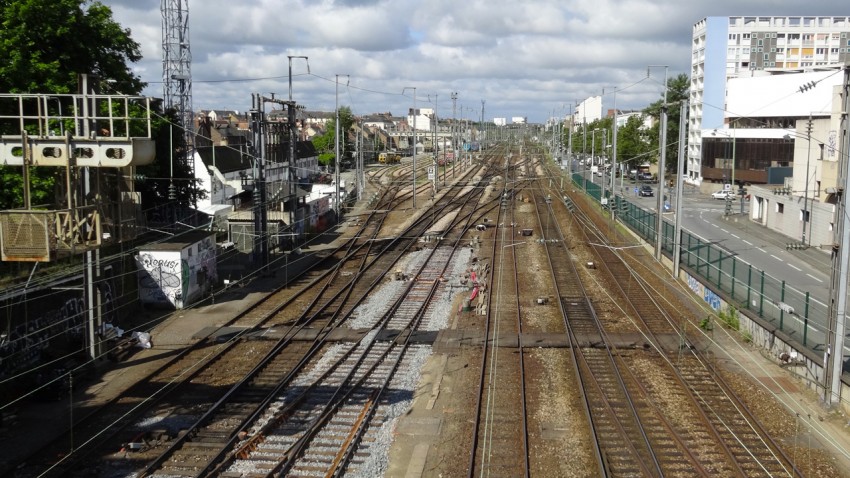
(177, 271)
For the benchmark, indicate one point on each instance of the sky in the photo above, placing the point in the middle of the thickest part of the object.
(521, 58)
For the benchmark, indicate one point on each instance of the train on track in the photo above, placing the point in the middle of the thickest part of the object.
(389, 157)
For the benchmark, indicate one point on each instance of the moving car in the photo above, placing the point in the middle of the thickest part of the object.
(723, 194)
(645, 191)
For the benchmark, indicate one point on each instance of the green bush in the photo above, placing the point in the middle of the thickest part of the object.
(730, 318)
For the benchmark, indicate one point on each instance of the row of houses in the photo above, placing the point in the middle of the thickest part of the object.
(300, 198)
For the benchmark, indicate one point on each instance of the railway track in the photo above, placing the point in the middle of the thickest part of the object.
(301, 431)
(501, 421)
(742, 446)
(113, 424)
(713, 432)
(630, 435)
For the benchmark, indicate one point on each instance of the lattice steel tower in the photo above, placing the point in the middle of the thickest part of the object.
(177, 66)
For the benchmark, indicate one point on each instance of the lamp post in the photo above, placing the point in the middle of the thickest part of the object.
(414, 139)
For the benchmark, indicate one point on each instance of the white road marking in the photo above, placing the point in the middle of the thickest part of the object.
(794, 267)
(777, 258)
(759, 248)
(724, 230)
(736, 237)
(813, 277)
(748, 242)
(715, 225)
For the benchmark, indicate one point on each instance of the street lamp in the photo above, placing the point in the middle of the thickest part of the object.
(414, 139)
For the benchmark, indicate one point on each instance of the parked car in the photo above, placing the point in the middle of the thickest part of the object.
(645, 191)
(723, 194)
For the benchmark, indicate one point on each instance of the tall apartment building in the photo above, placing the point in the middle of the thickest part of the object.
(735, 47)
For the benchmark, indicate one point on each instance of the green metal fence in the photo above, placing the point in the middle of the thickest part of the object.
(793, 311)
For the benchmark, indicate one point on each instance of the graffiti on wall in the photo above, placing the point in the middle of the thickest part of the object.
(200, 269)
(713, 300)
(178, 277)
(53, 329)
(160, 278)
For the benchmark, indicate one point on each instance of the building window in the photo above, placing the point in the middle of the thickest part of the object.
(745, 36)
(780, 208)
(805, 216)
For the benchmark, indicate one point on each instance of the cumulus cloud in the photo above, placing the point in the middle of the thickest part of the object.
(524, 58)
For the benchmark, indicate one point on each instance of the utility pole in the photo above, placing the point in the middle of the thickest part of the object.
(337, 199)
(806, 212)
(290, 172)
(570, 140)
(833, 362)
(614, 159)
(414, 140)
(258, 153)
(454, 133)
(659, 223)
(481, 129)
(680, 171)
(584, 146)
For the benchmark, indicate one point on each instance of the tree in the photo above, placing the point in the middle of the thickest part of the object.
(677, 90)
(592, 142)
(157, 178)
(633, 145)
(325, 143)
(45, 45)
